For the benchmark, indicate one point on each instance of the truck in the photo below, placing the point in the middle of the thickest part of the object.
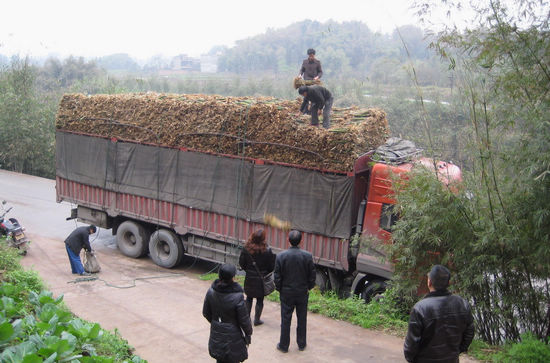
(168, 202)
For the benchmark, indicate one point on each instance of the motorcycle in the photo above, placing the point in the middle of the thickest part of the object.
(13, 231)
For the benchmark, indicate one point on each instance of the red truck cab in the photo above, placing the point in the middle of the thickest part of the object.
(374, 181)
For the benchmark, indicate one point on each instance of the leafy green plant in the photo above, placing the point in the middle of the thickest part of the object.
(36, 327)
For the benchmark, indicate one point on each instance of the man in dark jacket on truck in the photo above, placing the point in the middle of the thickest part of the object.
(294, 277)
(321, 99)
(311, 67)
(77, 240)
(441, 325)
(225, 310)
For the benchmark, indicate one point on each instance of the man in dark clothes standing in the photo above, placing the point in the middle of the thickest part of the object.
(294, 277)
(311, 67)
(321, 99)
(78, 239)
(441, 325)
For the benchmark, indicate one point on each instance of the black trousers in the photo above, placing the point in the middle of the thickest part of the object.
(288, 304)
(326, 113)
(259, 303)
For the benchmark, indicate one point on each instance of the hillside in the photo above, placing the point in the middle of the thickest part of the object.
(342, 47)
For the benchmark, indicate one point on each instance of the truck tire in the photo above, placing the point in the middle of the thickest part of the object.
(322, 280)
(372, 289)
(132, 238)
(165, 248)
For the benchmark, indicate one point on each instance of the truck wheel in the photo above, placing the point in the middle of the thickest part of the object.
(131, 239)
(372, 289)
(165, 248)
(322, 280)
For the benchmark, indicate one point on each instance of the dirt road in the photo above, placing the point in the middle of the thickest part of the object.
(158, 310)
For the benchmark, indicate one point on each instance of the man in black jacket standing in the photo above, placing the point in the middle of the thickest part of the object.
(441, 325)
(321, 99)
(77, 240)
(294, 277)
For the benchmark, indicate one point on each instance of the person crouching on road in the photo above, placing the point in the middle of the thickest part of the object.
(78, 239)
(321, 99)
(256, 257)
(441, 325)
(225, 310)
(294, 277)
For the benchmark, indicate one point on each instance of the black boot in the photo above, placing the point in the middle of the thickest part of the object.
(257, 314)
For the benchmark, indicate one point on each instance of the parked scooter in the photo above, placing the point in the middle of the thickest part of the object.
(14, 232)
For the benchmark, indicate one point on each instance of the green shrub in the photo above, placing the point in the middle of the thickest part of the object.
(529, 350)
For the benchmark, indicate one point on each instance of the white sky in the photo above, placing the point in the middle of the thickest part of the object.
(145, 28)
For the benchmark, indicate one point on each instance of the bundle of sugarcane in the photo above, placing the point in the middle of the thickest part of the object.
(274, 221)
(298, 82)
(257, 127)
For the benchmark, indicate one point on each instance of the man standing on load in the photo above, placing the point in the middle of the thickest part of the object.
(311, 67)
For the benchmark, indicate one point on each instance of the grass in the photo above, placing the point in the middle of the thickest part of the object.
(528, 350)
(482, 351)
(375, 315)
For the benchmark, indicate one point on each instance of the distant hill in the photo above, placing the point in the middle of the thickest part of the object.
(343, 48)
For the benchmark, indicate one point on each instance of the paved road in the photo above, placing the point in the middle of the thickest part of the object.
(158, 310)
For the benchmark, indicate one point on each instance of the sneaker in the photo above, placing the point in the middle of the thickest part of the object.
(258, 322)
(85, 274)
(279, 348)
(301, 349)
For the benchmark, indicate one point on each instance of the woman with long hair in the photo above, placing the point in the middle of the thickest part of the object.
(256, 251)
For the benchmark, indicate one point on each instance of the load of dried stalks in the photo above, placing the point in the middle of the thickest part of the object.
(256, 127)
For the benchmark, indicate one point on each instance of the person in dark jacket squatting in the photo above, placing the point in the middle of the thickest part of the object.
(294, 277)
(321, 99)
(256, 252)
(77, 240)
(441, 325)
(225, 310)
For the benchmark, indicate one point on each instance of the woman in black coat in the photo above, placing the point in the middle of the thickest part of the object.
(225, 310)
(256, 250)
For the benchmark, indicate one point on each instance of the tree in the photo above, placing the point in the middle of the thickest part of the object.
(26, 121)
(495, 231)
(118, 62)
